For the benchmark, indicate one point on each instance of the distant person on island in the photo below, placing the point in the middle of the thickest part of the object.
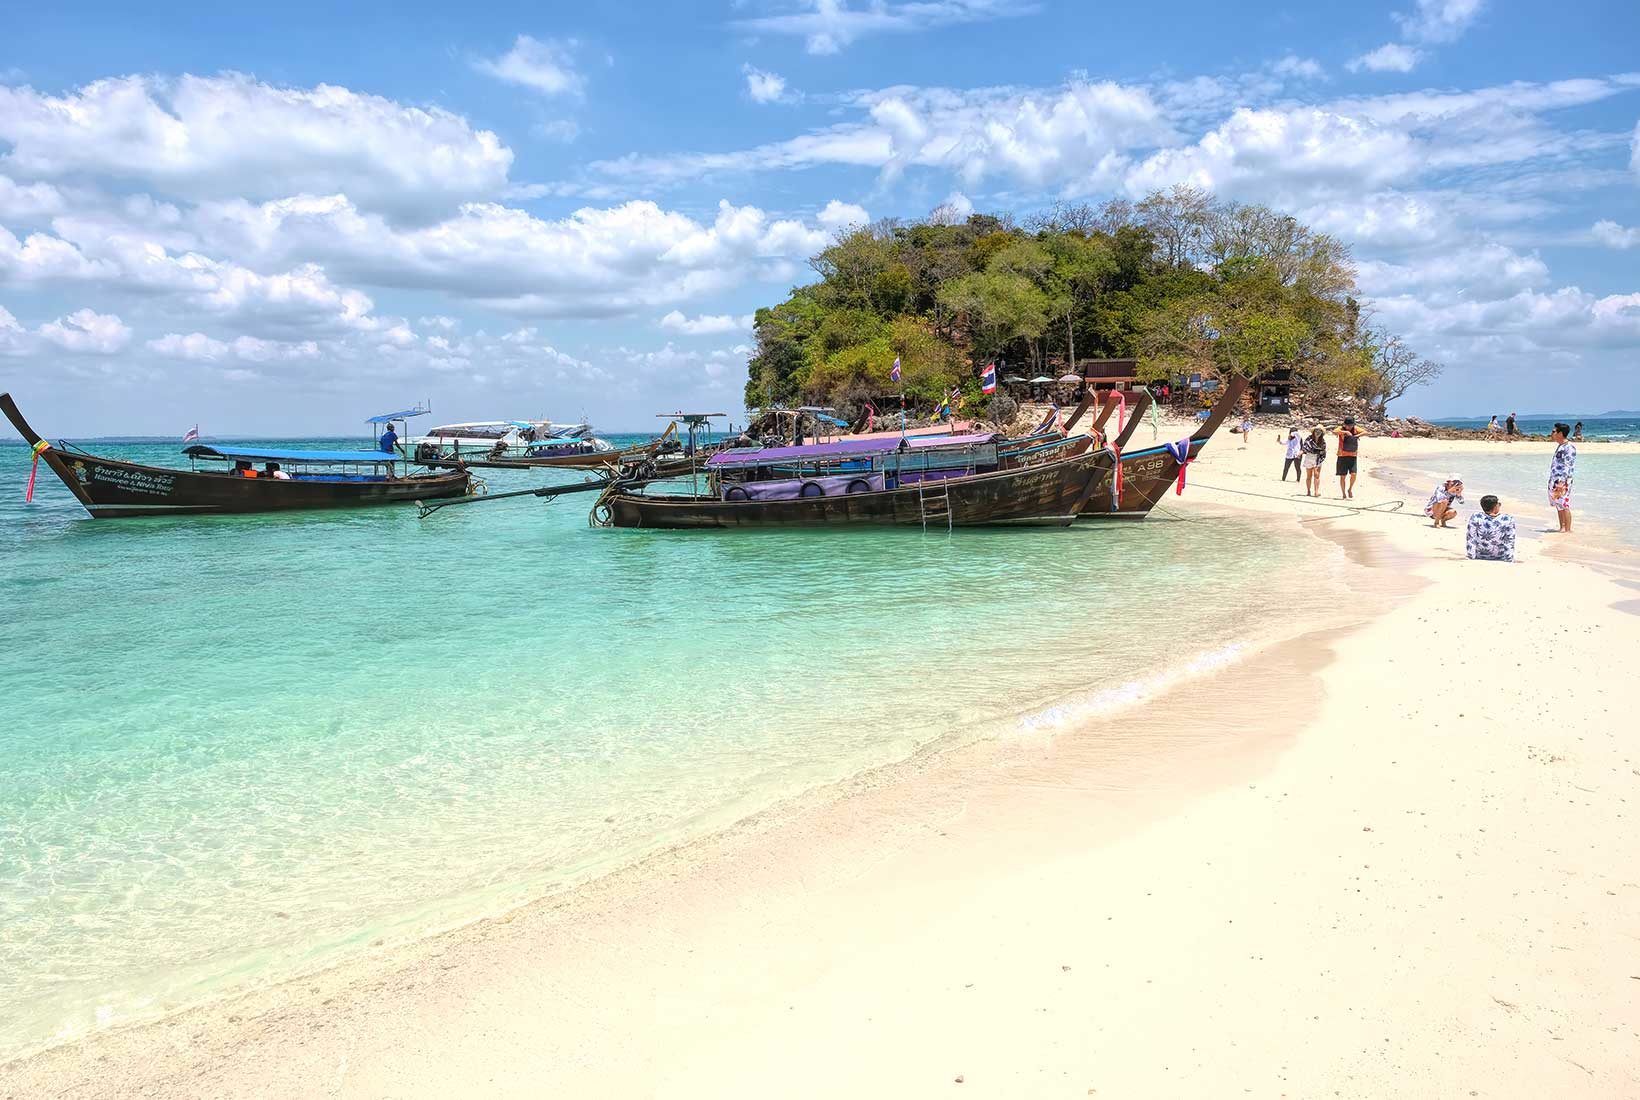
(1493, 425)
(1562, 468)
(1509, 426)
(1295, 447)
(1349, 451)
(1577, 431)
(1314, 451)
(1440, 507)
(1490, 535)
(390, 440)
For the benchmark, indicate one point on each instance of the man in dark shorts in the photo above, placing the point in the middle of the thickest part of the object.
(1349, 451)
(1509, 426)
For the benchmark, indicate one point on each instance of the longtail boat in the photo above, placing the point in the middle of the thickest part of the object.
(1148, 472)
(969, 483)
(557, 452)
(316, 479)
(912, 487)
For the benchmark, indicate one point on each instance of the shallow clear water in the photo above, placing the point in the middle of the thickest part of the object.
(231, 747)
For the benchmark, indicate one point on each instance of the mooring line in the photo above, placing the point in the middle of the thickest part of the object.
(1383, 508)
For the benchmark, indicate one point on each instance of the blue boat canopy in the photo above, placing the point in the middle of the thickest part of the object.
(295, 458)
(406, 414)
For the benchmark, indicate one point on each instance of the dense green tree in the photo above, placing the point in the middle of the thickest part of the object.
(1178, 280)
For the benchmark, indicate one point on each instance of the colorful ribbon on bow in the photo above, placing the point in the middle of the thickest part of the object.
(40, 447)
(1181, 454)
(1121, 415)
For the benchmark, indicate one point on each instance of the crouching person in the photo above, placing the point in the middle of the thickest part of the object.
(1490, 535)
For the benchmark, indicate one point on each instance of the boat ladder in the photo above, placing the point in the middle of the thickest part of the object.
(934, 505)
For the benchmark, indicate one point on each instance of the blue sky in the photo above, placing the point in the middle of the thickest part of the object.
(282, 220)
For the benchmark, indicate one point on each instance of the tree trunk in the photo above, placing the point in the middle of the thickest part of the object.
(1070, 341)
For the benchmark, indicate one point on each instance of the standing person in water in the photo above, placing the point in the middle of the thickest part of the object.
(1349, 451)
(1314, 451)
(1562, 468)
(1294, 452)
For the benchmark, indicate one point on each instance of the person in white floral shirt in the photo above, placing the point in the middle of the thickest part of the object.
(1562, 467)
(1440, 506)
(1490, 535)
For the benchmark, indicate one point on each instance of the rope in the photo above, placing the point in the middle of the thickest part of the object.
(40, 447)
(1384, 508)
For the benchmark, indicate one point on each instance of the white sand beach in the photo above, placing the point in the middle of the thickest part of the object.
(1399, 856)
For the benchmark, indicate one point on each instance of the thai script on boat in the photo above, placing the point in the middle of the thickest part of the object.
(134, 481)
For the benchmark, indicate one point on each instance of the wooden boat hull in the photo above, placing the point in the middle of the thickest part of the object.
(1148, 472)
(1048, 493)
(110, 488)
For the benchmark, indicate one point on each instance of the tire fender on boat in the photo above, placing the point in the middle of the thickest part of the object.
(858, 485)
(811, 489)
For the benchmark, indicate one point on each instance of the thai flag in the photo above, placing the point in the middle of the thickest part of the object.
(988, 379)
(894, 371)
(191, 435)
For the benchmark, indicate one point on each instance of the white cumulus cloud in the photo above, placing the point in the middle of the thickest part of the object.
(87, 332)
(1438, 20)
(1613, 235)
(763, 87)
(542, 65)
(829, 26)
(707, 324)
(231, 135)
(1391, 57)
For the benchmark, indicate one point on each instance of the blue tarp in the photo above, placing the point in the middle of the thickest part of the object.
(255, 454)
(405, 415)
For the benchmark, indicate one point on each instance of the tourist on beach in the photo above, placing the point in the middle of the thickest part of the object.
(390, 440)
(1295, 447)
(1509, 426)
(1493, 425)
(1440, 507)
(1562, 467)
(1577, 431)
(1246, 429)
(1314, 452)
(1349, 450)
(1490, 535)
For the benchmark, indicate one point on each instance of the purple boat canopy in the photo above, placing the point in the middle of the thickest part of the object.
(843, 449)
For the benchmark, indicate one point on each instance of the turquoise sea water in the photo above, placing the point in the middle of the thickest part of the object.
(1608, 428)
(232, 748)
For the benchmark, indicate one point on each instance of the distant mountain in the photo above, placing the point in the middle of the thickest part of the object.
(1618, 414)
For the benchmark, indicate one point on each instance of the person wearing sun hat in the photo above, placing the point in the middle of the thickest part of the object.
(1440, 506)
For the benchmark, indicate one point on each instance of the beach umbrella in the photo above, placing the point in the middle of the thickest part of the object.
(1067, 377)
(1041, 378)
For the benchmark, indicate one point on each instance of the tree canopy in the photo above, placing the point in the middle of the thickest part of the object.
(1180, 281)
